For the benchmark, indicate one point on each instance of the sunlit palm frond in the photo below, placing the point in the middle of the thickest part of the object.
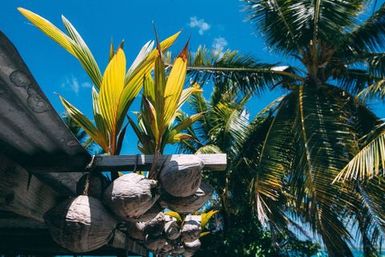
(233, 70)
(369, 162)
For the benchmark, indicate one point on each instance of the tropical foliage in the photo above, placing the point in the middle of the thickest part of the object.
(288, 159)
(225, 127)
(162, 99)
(312, 132)
(113, 92)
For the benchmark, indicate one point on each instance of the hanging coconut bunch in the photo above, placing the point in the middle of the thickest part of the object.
(188, 204)
(80, 224)
(130, 196)
(181, 175)
(87, 222)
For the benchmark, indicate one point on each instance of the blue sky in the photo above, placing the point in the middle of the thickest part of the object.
(218, 24)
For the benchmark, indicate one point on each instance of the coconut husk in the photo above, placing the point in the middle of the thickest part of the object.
(178, 249)
(131, 195)
(167, 248)
(191, 228)
(155, 226)
(136, 230)
(150, 214)
(188, 204)
(171, 228)
(92, 184)
(192, 246)
(188, 253)
(81, 224)
(181, 175)
(154, 244)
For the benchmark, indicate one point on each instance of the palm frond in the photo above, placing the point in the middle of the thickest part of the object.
(289, 26)
(368, 36)
(273, 160)
(237, 71)
(369, 162)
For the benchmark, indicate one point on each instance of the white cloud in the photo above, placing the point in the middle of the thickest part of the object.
(200, 24)
(73, 84)
(218, 46)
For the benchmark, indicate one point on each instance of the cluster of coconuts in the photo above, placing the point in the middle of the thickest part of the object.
(87, 222)
(166, 236)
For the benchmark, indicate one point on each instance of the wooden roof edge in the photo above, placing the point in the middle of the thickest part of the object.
(213, 162)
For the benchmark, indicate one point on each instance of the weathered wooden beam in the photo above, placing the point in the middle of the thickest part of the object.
(143, 162)
(215, 162)
(23, 194)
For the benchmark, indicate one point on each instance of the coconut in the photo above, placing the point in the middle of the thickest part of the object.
(92, 184)
(131, 195)
(191, 228)
(150, 214)
(181, 175)
(188, 204)
(171, 228)
(81, 224)
(167, 247)
(155, 227)
(178, 249)
(154, 244)
(192, 246)
(136, 230)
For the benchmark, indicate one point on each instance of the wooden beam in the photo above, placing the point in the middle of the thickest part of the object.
(216, 162)
(23, 194)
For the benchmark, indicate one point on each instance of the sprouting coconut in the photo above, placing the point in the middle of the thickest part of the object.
(181, 175)
(188, 204)
(81, 224)
(191, 228)
(171, 228)
(191, 247)
(131, 195)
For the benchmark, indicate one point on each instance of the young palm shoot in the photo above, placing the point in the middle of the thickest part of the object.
(161, 103)
(113, 92)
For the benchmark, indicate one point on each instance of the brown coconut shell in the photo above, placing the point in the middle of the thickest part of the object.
(150, 214)
(155, 227)
(191, 228)
(136, 230)
(192, 246)
(181, 175)
(154, 244)
(171, 228)
(178, 249)
(92, 184)
(81, 224)
(167, 248)
(188, 204)
(131, 195)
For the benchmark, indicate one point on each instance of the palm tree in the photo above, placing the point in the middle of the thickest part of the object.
(224, 128)
(318, 126)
